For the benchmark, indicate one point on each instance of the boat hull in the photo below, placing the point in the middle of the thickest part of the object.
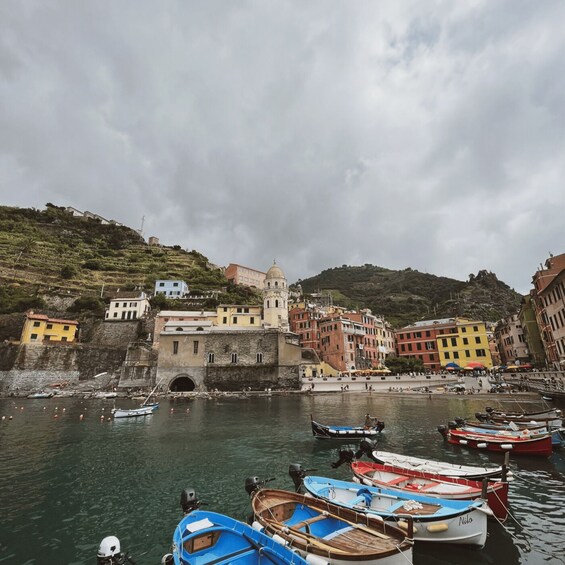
(440, 468)
(435, 520)
(537, 446)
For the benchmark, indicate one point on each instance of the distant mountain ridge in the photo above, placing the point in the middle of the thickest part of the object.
(404, 297)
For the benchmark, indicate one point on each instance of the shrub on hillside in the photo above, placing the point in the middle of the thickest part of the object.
(88, 304)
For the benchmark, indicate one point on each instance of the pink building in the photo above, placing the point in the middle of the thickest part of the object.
(238, 274)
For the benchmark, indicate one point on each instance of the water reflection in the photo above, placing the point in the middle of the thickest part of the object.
(65, 483)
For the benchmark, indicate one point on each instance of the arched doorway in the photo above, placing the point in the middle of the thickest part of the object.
(182, 383)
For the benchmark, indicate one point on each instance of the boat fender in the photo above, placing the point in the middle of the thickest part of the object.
(257, 526)
(506, 446)
(481, 445)
(278, 539)
(437, 528)
(315, 560)
(364, 495)
(403, 524)
(463, 442)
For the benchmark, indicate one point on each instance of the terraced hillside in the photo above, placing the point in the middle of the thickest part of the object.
(50, 252)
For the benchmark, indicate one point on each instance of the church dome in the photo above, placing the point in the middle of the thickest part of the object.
(275, 272)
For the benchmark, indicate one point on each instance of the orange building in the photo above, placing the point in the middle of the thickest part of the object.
(238, 274)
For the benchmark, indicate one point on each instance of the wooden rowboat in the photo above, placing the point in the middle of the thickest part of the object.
(318, 529)
(432, 485)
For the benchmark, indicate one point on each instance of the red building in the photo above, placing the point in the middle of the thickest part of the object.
(419, 341)
(305, 323)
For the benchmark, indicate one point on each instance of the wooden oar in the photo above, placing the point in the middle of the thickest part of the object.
(307, 538)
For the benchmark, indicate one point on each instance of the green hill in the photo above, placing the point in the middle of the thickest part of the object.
(50, 253)
(404, 297)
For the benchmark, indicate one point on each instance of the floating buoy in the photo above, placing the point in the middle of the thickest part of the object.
(10, 417)
(3, 417)
(187, 410)
(172, 409)
(56, 408)
(22, 408)
(81, 417)
(109, 419)
(64, 409)
(102, 409)
(102, 417)
(56, 416)
(45, 408)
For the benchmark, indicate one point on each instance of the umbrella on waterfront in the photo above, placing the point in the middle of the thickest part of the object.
(512, 368)
(452, 367)
(474, 365)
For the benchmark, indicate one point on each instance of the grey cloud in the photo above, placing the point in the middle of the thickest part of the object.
(319, 133)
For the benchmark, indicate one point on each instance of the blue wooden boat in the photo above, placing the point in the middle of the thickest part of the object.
(207, 538)
(324, 431)
(435, 519)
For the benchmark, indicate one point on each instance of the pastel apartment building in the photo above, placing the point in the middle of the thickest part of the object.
(449, 340)
(548, 299)
(246, 276)
(40, 329)
(171, 288)
(512, 345)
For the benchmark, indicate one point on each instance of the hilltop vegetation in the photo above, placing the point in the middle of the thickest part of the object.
(48, 253)
(404, 297)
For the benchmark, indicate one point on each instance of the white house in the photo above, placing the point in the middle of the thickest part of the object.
(128, 306)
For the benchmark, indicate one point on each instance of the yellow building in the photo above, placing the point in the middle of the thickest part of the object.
(237, 315)
(41, 329)
(465, 344)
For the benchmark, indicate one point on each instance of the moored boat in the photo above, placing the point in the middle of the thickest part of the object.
(318, 529)
(435, 520)
(324, 431)
(132, 413)
(40, 394)
(432, 485)
(204, 537)
(535, 445)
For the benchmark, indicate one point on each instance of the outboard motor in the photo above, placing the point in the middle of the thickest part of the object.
(255, 483)
(452, 425)
(297, 474)
(442, 430)
(379, 426)
(481, 416)
(189, 500)
(345, 456)
(109, 553)
(460, 421)
(489, 409)
(366, 447)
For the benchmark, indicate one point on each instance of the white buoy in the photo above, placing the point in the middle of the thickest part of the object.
(81, 417)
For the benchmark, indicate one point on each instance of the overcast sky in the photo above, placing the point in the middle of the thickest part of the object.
(422, 134)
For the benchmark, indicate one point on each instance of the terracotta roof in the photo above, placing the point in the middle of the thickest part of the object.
(52, 320)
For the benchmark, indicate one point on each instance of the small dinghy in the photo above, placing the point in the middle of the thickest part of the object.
(435, 520)
(432, 484)
(205, 538)
(440, 468)
(133, 412)
(324, 532)
(324, 431)
(40, 394)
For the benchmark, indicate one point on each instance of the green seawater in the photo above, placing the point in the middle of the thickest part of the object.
(67, 482)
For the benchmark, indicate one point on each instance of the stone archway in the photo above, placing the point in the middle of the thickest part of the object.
(182, 383)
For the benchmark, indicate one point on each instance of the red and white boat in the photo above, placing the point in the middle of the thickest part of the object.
(521, 444)
(431, 484)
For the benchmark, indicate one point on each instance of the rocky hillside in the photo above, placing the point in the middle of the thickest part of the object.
(48, 258)
(404, 297)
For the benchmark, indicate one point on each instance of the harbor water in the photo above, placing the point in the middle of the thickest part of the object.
(66, 482)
